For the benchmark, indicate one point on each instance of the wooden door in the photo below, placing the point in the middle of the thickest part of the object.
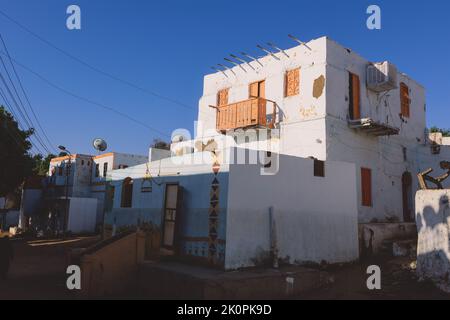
(172, 216)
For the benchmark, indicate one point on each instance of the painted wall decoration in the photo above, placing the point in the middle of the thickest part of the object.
(214, 212)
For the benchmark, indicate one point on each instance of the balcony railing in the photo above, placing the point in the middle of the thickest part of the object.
(247, 113)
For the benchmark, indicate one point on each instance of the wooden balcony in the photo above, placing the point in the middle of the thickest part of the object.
(245, 114)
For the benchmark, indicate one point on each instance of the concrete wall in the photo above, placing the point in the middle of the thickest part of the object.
(433, 224)
(82, 215)
(110, 267)
(316, 217)
(383, 155)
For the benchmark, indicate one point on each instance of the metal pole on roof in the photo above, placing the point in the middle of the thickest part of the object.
(299, 41)
(277, 48)
(252, 58)
(241, 60)
(267, 51)
(234, 63)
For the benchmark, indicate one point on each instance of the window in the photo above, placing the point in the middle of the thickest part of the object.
(127, 193)
(319, 168)
(60, 171)
(105, 169)
(404, 100)
(122, 166)
(82, 162)
(257, 89)
(354, 97)
(97, 170)
(366, 187)
(89, 163)
(222, 97)
(292, 82)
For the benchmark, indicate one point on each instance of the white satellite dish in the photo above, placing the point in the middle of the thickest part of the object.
(100, 145)
(180, 135)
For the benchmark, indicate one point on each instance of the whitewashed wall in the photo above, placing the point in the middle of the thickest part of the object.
(302, 123)
(316, 218)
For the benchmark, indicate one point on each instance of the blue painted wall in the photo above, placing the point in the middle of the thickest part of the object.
(147, 208)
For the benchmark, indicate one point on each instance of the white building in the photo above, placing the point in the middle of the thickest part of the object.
(363, 123)
(76, 177)
(313, 120)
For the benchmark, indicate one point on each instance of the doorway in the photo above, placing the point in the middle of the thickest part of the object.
(172, 216)
(407, 195)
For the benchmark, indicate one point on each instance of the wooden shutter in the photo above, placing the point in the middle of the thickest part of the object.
(253, 90)
(262, 89)
(222, 97)
(404, 100)
(355, 94)
(292, 82)
(366, 187)
(257, 89)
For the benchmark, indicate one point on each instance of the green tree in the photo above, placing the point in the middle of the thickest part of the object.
(445, 132)
(16, 161)
(41, 164)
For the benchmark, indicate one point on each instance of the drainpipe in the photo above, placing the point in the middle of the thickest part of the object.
(273, 238)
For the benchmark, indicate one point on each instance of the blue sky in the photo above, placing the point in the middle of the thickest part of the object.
(168, 46)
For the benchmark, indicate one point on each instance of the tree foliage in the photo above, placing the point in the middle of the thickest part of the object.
(16, 161)
(445, 132)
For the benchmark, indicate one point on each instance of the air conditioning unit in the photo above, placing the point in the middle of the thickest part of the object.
(381, 76)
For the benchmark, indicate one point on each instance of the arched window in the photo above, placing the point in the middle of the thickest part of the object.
(127, 193)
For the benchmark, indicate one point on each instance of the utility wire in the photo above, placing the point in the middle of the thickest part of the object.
(87, 100)
(25, 95)
(27, 125)
(8, 107)
(96, 69)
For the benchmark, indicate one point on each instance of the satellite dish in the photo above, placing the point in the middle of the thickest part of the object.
(100, 145)
(180, 135)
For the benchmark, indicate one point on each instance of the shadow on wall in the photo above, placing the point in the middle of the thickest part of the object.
(433, 251)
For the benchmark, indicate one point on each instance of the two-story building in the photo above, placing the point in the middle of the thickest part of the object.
(330, 140)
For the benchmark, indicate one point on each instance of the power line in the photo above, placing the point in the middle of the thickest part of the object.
(20, 107)
(25, 94)
(8, 106)
(87, 100)
(96, 69)
(27, 124)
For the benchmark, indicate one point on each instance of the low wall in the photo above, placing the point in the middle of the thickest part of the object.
(433, 224)
(110, 267)
(373, 236)
(316, 218)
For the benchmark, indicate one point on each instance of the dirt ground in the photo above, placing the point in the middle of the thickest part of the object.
(398, 282)
(38, 272)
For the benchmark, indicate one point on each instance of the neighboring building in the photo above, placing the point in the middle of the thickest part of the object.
(362, 123)
(102, 166)
(78, 177)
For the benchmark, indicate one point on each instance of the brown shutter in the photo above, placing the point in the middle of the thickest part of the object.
(257, 89)
(292, 82)
(366, 187)
(253, 90)
(262, 89)
(356, 96)
(404, 100)
(222, 97)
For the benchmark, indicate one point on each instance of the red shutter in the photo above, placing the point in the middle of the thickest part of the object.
(404, 100)
(356, 96)
(366, 187)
